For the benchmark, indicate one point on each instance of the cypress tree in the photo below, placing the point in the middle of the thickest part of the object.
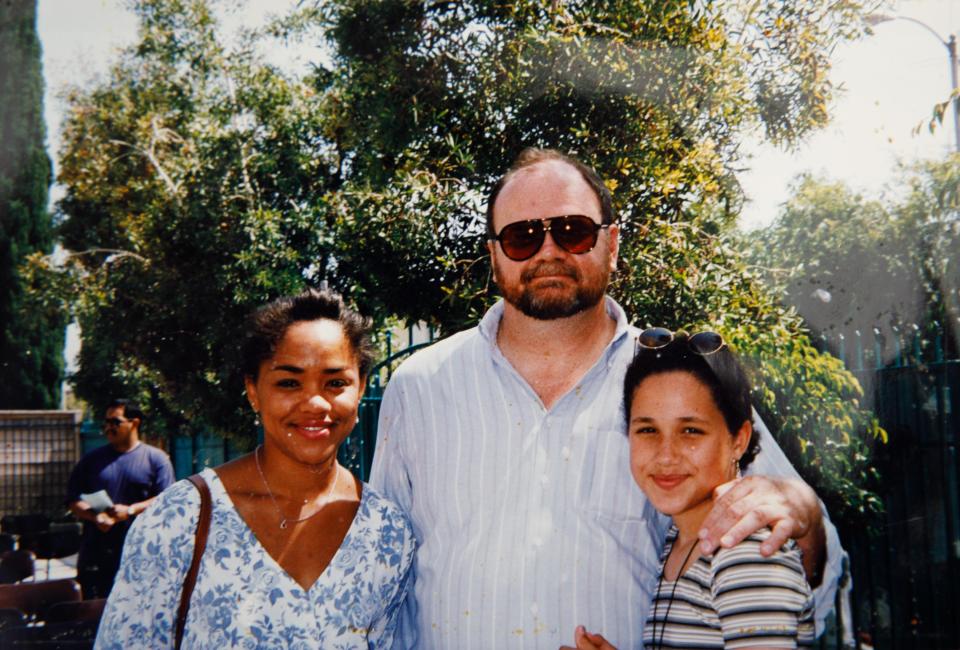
(31, 345)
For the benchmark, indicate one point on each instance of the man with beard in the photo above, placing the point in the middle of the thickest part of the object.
(505, 445)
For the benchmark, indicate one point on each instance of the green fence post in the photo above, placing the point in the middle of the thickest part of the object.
(91, 436)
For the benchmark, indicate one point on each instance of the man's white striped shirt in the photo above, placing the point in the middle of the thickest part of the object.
(528, 519)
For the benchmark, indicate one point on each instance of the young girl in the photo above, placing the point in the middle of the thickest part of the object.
(687, 406)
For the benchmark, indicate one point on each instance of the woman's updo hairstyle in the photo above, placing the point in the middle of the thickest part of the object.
(267, 325)
(719, 371)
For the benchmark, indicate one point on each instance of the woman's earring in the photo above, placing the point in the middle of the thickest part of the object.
(736, 468)
(256, 418)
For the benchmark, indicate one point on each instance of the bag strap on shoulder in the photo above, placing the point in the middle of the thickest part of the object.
(200, 544)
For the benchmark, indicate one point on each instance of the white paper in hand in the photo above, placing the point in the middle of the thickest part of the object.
(99, 500)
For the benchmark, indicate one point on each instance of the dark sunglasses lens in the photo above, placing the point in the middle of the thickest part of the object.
(576, 234)
(706, 342)
(655, 337)
(521, 240)
(113, 422)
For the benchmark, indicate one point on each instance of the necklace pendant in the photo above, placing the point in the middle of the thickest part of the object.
(273, 499)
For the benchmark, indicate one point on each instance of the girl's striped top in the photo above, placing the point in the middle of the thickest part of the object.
(735, 598)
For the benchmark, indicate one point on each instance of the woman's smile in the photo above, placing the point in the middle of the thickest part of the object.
(314, 429)
(308, 392)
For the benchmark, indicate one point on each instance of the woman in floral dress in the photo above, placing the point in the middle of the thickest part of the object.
(300, 554)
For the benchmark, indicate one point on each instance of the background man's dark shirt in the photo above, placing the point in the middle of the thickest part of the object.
(129, 477)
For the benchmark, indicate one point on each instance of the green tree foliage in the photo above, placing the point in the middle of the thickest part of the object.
(884, 268)
(812, 404)
(188, 176)
(930, 221)
(31, 337)
(837, 258)
(657, 96)
(201, 181)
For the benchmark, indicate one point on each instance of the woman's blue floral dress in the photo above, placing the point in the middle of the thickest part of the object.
(243, 598)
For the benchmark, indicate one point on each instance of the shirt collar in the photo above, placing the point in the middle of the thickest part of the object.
(490, 323)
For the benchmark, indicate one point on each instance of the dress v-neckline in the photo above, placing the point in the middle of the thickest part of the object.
(222, 491)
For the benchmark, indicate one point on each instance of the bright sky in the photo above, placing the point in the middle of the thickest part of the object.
(891, 81)
(81, 38)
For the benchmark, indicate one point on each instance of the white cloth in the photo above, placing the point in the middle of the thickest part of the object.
(529, 521)
(243, 598)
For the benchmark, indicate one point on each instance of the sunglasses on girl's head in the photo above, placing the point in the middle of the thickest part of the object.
(701, 343)
(574, 233)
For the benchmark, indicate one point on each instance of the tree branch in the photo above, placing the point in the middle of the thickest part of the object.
(114, 253)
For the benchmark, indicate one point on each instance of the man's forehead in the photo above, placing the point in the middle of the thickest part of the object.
(555, 170)
(548, 181)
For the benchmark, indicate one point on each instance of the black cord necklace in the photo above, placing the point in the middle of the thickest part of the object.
(658, 645)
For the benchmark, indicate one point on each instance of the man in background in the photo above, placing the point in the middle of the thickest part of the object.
(108, 488)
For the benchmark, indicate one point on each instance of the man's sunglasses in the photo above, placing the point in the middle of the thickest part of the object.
(113, 422)
(574, 233)
(702, 343)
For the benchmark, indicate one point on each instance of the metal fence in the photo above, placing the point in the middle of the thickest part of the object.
(357, 450)
(906, 576)
(37, 451)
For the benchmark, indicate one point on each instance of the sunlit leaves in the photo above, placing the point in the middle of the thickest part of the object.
(685, 277)
(193, 166)
(234, 182)
(849, 264)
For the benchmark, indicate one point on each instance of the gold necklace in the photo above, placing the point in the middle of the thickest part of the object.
(283, 519)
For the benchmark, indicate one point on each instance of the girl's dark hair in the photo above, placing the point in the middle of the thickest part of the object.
(267, 325)
(720, 372)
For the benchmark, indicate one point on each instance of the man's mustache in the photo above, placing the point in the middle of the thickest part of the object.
(550, 268)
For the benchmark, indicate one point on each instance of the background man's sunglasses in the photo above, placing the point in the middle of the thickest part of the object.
(113, 422)
(574, 233)
(701, 343)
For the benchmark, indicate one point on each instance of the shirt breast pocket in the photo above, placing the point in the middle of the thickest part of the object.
(607, 493)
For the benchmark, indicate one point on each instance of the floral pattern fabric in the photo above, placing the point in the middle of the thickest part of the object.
(243, 598)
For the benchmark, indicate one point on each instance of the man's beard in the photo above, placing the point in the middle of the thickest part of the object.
(546, 303)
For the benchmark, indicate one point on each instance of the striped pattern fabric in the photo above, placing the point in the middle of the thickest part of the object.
(528, 520)
(734, 599)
